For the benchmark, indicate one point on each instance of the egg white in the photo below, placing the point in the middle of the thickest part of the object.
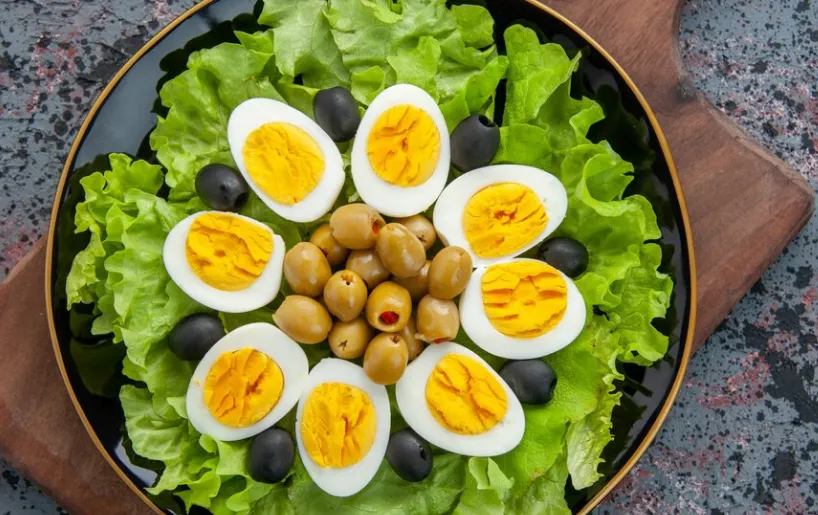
(388, 199)
(343, 482)
(265, 338)
(411, 397)
(260, 293)
(448, 213)
(477, 326)
(252, 114)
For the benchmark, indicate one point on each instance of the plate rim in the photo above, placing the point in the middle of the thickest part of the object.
(687, 350)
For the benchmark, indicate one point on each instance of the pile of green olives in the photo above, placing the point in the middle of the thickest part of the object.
(370, 290)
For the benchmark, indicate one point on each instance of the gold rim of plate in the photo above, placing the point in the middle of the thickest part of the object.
(691, 319)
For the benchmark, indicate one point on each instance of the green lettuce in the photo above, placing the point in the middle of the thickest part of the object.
(367, 45)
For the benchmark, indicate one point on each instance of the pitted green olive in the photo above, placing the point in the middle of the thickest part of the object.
(323, 239)
(418, 285)
(345, 295)
(421, 227)
(386, 358)
(400, 250)
(449, 272)
(306, 269)
(438, 320)
(368, 265)
(348, 340)
(303, 319)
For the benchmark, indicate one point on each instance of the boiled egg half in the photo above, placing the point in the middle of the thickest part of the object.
(342, 427)
(500, 211)
(456, 401)
(246, 382)
(225, 261)
(521, 309)
(288, 160)
(400, 157)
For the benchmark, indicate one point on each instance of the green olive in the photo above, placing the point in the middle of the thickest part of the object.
(389, 307)
(449, 272)
(437, 319)
(421, 227)
(303, 319)
(348, 340)
(356, 226)
(306, 269)
(414, 345)
(386, 358)
(418, 285)
(400, 250)
(345, 295)
(335, 252)
(368, 265)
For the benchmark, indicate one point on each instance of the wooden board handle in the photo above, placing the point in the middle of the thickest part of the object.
(737, 193)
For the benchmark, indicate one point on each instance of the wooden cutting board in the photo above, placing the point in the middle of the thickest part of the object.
(745, 206)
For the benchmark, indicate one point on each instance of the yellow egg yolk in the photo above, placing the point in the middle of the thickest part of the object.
(242, 387)
(502, 218)
(227, 252)
(404, 146)
(464, 397)
(524, 299)
(284, 161)
(338, 425)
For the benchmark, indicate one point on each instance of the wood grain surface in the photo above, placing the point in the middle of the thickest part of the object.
(41, 434)
(745, 206)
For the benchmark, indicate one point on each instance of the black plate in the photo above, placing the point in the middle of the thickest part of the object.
(128, 114)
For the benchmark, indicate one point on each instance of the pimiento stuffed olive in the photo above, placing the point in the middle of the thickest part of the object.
(194, 335)
(531, 380)
(449, 272)
(409, 455)
(336, 111)
(566, 255)
(438, 320)
(220, 187)
(475, 141)
(389, 307)
(271, 456)
(356, 226)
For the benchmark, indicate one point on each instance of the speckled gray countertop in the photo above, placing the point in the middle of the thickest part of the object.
(743, 435)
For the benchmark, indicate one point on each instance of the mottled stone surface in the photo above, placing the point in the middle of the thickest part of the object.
(743, 435)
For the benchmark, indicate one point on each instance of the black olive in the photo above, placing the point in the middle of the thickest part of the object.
(566, 255)
(220, 187)
(475, 141)
(271, 455)
(409, 455)
(336, 111)
(532, 380)
(194, 335)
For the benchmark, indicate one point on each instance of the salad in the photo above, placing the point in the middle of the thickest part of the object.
(338, 238)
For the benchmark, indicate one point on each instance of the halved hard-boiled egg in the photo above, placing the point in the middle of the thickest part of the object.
(400, 157)
(500, 211)
(342, 427)
(246, 382)
(456, 401)
(225, 261)
(288, 160)
(521, 309)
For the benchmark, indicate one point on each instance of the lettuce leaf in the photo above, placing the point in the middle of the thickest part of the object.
(486, 489)
(303, 43)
